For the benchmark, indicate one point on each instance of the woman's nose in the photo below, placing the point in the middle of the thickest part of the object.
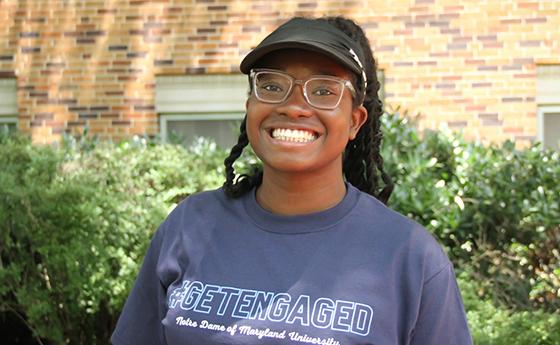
(296, 105)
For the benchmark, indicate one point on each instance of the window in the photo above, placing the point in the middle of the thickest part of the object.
(221, 128)
(209, 106)
(8, 105)
(549, 126)
(548, 102)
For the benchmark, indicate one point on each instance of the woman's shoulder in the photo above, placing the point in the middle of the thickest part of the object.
(399, 233)
(373, 210)
(202, 200)
(199, 206)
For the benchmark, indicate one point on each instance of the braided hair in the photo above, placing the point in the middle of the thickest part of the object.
(362, 164)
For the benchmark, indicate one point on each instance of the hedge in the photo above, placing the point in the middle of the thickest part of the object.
(75, 221)
(495, 208)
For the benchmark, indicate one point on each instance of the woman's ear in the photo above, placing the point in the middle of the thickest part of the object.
(359, 117)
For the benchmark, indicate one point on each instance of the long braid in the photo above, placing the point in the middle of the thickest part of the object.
(362, 158)
(235, 187)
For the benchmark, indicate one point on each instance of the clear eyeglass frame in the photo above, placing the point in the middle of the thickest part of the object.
(255, 72)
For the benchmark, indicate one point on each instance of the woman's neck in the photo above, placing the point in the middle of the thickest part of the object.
(294, 194)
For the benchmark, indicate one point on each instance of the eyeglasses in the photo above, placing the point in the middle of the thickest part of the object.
(323, 92)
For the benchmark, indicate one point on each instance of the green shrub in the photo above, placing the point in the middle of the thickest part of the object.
(493, 207)
(491, 325)
(75, 222)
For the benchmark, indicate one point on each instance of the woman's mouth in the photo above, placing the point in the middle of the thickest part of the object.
(293, 135)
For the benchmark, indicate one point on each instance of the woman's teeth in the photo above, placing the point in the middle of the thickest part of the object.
(295, 135)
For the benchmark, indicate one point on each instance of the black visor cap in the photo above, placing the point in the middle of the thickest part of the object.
(312, 35)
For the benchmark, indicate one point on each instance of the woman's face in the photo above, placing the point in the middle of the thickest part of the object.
(294, 137)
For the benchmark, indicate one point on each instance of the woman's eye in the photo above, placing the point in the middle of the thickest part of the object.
(271, 87)
(323, 92)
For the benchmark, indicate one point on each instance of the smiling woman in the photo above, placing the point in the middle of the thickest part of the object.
(304, 250)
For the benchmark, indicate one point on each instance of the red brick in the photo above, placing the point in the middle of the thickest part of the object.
(307, 5)
(121, 122)
(44, 116)
(513, 129)
(510, 21)
(487, 45)
(476, 108)
(529, 5)
(218, 8)
(524, 75)
(107, 11)
(512, 99)
(457, 124)
(533, 43)
(536, 20)
(477, 85)
(452, 77)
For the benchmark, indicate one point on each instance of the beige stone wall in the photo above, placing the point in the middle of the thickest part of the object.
(92, 63)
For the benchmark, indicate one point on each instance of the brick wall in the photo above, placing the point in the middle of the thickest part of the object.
(92, 63)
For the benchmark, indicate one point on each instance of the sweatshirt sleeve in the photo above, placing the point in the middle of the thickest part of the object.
(442, 319)
(140, 319)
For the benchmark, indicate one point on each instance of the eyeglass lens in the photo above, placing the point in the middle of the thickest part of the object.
(319, 92)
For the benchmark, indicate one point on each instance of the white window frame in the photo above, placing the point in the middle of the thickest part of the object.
(8, 101)
(548, 95)
(541, 114)
(200, 98)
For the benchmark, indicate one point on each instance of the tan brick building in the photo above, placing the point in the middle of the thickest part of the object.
(123, 67)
